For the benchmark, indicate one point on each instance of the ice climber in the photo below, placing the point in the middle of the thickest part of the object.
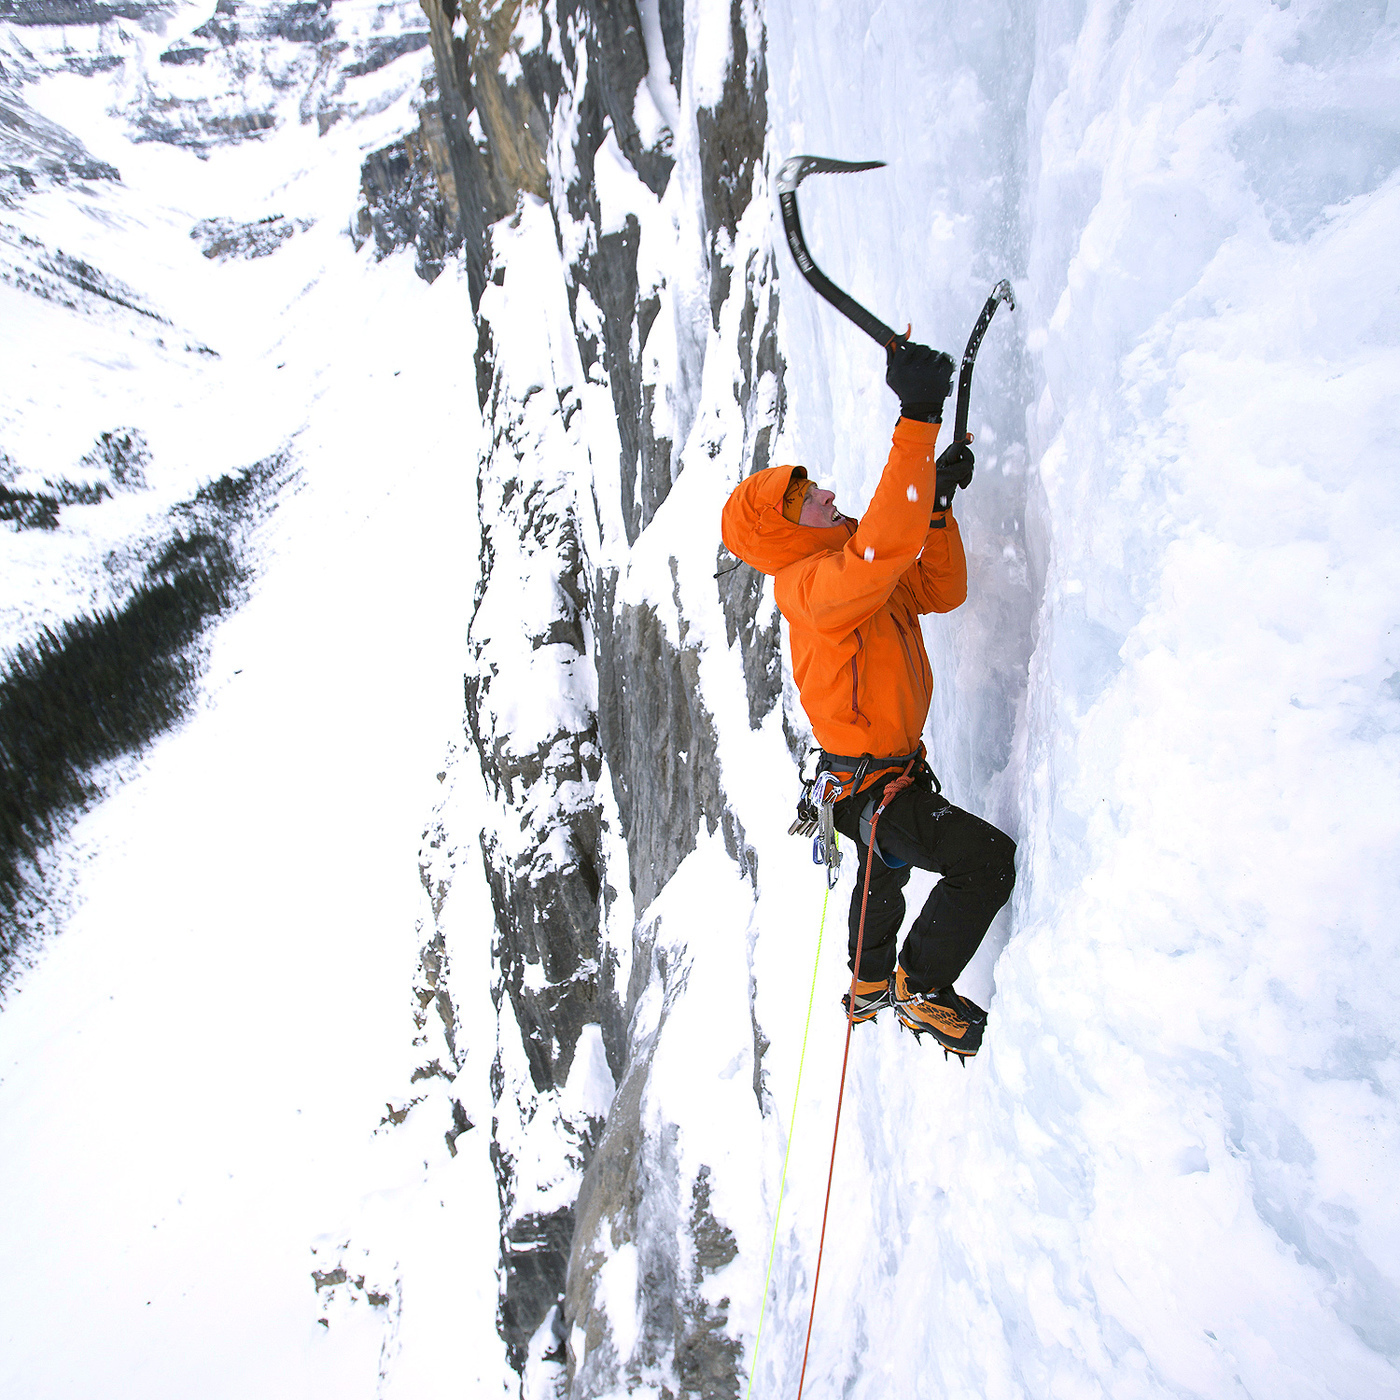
(852, 592)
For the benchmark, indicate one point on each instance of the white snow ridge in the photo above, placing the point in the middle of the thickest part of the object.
(405, 963)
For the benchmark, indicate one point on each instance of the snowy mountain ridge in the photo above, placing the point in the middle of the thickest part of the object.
(1174, 682)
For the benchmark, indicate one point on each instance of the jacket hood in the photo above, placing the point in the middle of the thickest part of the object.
(755, 530)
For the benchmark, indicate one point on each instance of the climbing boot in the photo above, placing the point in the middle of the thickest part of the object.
(953, 1021)
(871, 997)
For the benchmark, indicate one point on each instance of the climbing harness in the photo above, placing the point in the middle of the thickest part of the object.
(892, 790)
(792, 1128)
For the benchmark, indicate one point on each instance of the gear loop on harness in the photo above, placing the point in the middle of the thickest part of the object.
(826, 790)
(837, 777)
(816, 817)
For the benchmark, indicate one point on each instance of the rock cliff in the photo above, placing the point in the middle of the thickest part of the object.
(600, 191)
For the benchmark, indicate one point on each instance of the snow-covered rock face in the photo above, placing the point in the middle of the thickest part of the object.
(600, 307)
(1174, 680)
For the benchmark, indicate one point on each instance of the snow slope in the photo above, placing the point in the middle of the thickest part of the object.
(203, 1076)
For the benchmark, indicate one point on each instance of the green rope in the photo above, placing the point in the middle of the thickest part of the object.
(792, 1126)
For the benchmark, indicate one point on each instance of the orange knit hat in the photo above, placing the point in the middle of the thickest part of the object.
(795, 495)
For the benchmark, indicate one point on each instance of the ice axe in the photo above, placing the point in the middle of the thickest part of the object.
(791, 174)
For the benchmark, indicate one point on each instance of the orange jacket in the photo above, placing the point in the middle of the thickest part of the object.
(852, 595)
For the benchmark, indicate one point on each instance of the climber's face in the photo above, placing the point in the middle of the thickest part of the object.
(819, 508)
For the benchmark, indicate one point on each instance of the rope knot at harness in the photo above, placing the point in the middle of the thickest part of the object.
(892, 790)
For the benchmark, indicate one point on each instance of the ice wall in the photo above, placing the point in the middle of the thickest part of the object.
(1173, 682)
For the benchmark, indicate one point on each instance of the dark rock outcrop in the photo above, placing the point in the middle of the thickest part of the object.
(198, 125)
(378, 52)
(300, 22)
(78, 12)
(660, 743)
(35, 151)
(183, 55)
(221, 239)
(254, 57)
(544, 856)
(536, 1254)
(731, 143)
(750, 614)
(630, 1198)
(489, 170)
(403, 203)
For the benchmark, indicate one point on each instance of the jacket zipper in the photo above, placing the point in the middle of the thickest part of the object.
(855, 677)
(919, 669)
(927, 669)
(914, 670)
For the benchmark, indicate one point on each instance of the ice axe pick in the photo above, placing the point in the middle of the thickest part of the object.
(790, 175)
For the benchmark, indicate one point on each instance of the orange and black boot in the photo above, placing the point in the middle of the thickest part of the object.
(953, 1021)
(871, 998)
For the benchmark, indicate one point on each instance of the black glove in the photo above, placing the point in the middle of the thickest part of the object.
(954, 465)
(922, 378)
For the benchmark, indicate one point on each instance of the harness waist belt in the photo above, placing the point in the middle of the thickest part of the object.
(864, 767)
(850, 762)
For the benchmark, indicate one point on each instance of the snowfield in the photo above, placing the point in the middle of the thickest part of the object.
(198, 1075)
(1176, 682)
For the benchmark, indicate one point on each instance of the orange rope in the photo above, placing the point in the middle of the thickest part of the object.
(892, 790)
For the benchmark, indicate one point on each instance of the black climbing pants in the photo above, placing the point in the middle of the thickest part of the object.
(924, 829)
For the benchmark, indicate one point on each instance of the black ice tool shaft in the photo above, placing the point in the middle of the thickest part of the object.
(790, 175)
(1000, 293)
(793, 172)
